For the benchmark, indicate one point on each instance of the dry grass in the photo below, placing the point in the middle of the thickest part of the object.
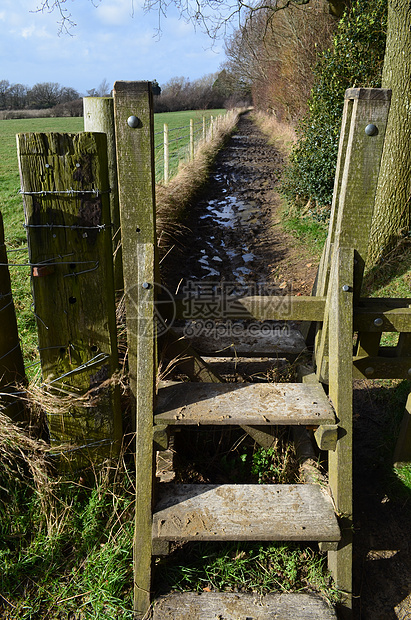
(281, 135)
(25, 460)
(17, 114)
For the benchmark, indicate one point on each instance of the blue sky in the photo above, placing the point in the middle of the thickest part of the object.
(107, 43)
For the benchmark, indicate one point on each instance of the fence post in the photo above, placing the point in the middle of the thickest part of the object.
(166, 155)
(211, 127)
(356, 181)
(191, 139)
(133, 110)
(11, 359)
(204, 128)
(99, 116)
(340, 381)
(65, 189)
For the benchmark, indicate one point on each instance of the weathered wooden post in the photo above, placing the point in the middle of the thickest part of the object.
(204, 128)
(11, 360)
(361, 142)
(133, 109)
(211, 132)
(340, 309)
(166, 155)
(65, 189)
(99, 116)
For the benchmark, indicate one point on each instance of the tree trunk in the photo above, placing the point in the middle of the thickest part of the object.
(392, 204)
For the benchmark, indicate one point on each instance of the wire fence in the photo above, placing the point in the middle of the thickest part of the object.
(179, 144)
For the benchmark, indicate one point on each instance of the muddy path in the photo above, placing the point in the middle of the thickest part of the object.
(234, 232)
(234, 235)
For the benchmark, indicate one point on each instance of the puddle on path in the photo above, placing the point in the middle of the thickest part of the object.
(232, 215)
(230, 221)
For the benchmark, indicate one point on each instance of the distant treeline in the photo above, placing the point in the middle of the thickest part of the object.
(41, 96)
(216, 90)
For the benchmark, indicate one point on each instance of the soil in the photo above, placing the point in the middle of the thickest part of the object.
(235, 236)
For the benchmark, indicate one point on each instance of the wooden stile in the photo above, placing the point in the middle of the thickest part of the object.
(66, 183)
(133, 111)
(67, 216)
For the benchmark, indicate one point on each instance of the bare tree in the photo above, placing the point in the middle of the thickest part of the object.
(44, 95)
(273, 54)
(212, 16)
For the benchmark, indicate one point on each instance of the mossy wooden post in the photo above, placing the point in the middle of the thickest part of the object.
(356, 182)
(11, 359)
(99, 116)
(133, 109)
(340, 382)
(65, 188)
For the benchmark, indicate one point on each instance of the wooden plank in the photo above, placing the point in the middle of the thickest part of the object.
(99, 116)
(233, 606)
(260, 368)
(340, 392)
(261, 308)
(368, 343)
(179, 353)
(382, 367)
(265, 436)
(225, 338)
(382, 319)
(243, 404)
(65, 189)
(385, 302)
(245, 512)
(11, 359)
(133, 112)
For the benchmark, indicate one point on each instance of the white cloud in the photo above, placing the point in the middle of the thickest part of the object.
(28, 32)
(106, 43)
(115, 12)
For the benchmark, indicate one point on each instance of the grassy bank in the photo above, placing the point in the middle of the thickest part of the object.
(307, 226)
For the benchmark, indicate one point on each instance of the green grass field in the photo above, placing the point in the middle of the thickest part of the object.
(11, 205)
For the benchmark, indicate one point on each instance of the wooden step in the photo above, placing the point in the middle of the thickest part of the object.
(241, 340)
(243, 404)
(268, 512)
(242, 606)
